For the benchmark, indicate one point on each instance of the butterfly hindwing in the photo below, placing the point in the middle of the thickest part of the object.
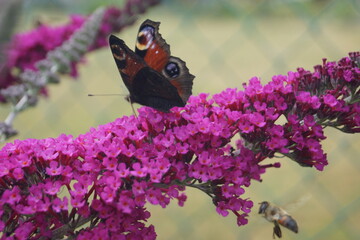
(179, 76)
(152, 89)
(156, 52)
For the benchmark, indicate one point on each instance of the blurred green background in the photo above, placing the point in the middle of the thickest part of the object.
(224, 43)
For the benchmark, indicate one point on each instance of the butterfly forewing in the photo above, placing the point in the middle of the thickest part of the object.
(151, 46)
(126, 60)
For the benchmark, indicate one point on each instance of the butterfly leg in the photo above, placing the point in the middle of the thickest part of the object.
(132, 107)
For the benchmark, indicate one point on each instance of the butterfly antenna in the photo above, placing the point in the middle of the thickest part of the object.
(113, 94)
(105, 94)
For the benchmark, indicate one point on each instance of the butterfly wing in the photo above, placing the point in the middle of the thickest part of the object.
(146, 86)
(151, 46)
(126, 60)
(179, 76)
(156, 52)
(151, 89)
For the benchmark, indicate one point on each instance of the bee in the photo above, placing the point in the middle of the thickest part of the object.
(279, 217)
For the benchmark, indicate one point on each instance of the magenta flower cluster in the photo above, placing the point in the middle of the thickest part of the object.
(50, 187)
(26, 49)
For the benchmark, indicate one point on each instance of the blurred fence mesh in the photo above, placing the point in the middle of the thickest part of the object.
(225, 43)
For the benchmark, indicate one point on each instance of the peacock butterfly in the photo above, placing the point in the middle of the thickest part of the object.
(153, 77)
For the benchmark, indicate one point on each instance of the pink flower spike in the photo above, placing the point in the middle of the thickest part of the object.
(52, 188)
(205, 158)
(129, 150)
(226, 191)
(330, 100)
(257, 119)
(108, 194)
(125, 204)
(24, 160)
(182, 198)
(218, 145)
(54, 169)
(43, 205)
(242, 220)
(139, 188)
(77, 202)
(49, 154)
(245, 126)
(222, 209)
(153, 195)
(138, 170)
(79, 190)
(122, 171)
(24, 230)
(309, 121)
(259, 106)
(110, 163)
(12, 196)
(60, 205)
(156, 177)
(18, 173)
(4, 170)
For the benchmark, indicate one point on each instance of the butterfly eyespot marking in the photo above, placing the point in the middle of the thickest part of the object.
(118, 53)
(119, 56)
(172, 70)
(145, 38)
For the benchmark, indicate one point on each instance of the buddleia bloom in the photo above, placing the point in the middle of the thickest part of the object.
(218, 145)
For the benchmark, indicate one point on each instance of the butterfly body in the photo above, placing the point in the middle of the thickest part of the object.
(153, 77)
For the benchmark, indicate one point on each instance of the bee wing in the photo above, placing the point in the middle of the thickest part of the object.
(298, 203)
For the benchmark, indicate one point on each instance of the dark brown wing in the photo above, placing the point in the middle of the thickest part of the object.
(151, 89)
(128, 63)
(156, 52)
(179, 76)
